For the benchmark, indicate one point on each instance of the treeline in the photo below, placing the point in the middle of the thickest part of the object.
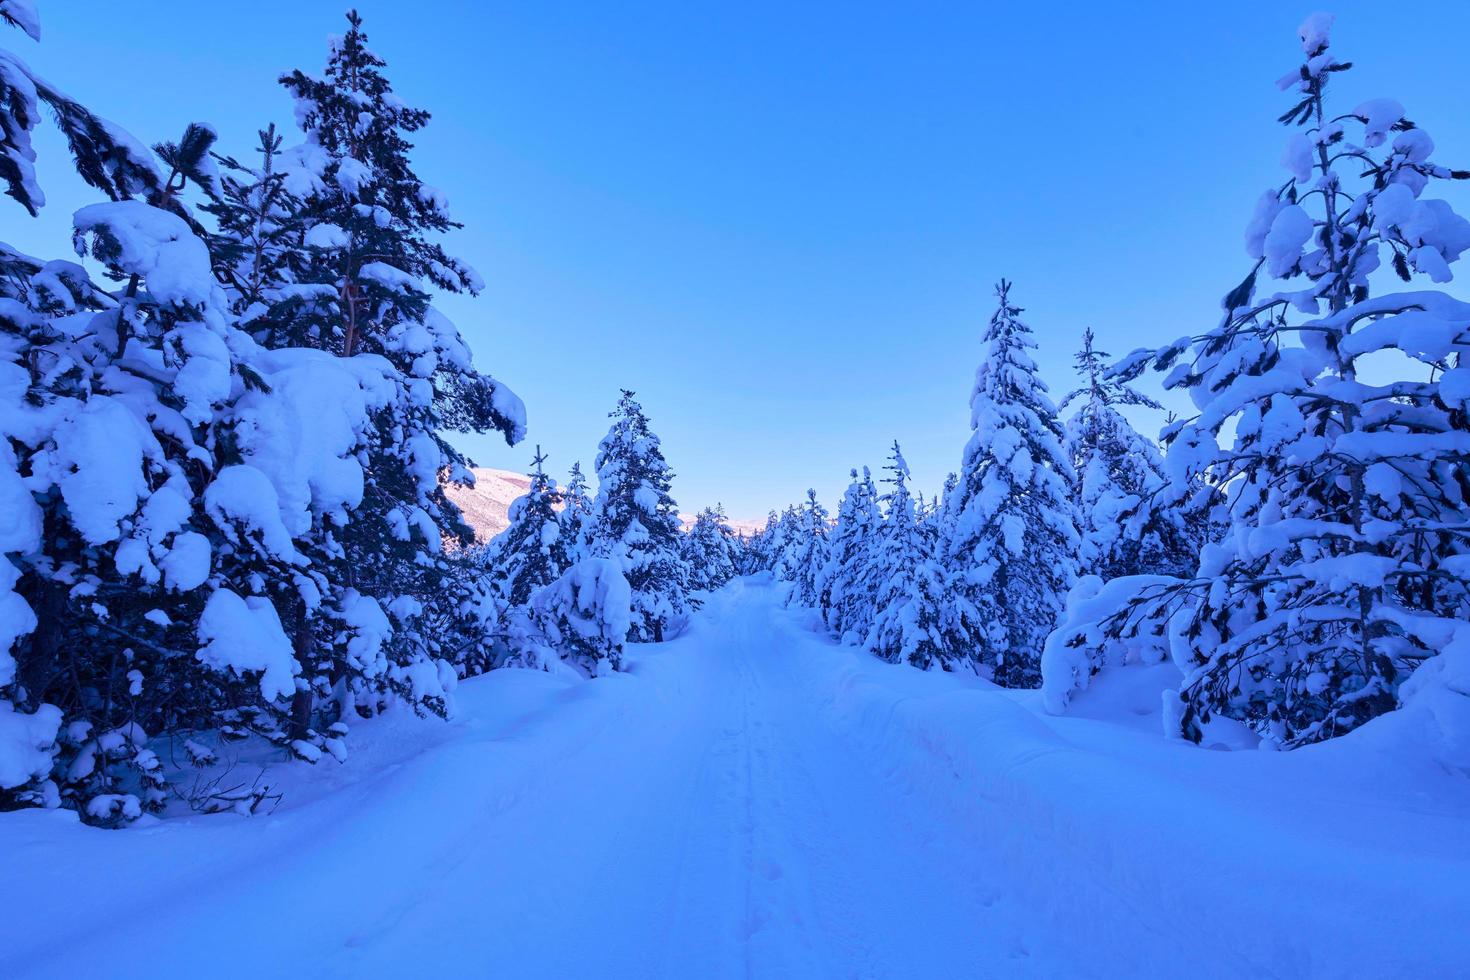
(1300, 550)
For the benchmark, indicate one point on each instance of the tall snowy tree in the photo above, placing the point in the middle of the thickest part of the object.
(638, 523)
(848, 590)
(361, 284)
(808, 553)
(1013, 541)
(910, 622)
(785, 547)
(1126, 523)
(1342, 588)
(148, 548)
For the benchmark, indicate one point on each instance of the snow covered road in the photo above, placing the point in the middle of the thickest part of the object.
(751, 801)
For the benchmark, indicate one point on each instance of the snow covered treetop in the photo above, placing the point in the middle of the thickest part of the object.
(1315, 33)
(1354, 206)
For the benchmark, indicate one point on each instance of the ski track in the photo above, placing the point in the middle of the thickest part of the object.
(701, 816)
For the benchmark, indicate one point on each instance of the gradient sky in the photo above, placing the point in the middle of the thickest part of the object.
(780, 223)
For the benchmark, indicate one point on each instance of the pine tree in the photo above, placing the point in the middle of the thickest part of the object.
(585, 616)
(361, 277)
(259, 244)
(809, 553)
(910, 623)
(576, 516)
(766, 546)
(1126, 523)
(786, 545)
(1013, 542)
(710, 550)
(638, 523)
(529, 552)
(848, 588)
(129, 405)
(1340, 589)
(187, 489)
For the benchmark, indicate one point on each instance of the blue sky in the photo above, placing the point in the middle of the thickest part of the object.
(780, 223)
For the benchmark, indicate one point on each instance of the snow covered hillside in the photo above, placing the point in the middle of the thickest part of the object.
(486, 505)
(752, 800)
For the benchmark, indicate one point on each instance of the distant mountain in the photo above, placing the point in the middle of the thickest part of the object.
(743, 528)
(486, 505)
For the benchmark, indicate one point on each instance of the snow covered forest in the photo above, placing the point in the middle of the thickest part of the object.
(263, 694)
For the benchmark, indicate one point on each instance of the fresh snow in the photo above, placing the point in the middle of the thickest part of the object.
(752, 800)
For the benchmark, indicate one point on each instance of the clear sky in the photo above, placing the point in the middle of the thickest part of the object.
(779, 222)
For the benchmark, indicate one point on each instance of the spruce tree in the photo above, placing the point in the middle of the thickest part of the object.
(1340, 589)
(1127, 524)
(848, 587)
(809, 553)
(1013, 542)
(786, 545)
(766, 545)
(258, 243)
(710, 550)
(637, 523)
(910, 624)
(576, 516)
(362, 277)
(125, 405)
(529, 552)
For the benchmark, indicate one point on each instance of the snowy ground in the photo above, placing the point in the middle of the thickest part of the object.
(751, 801)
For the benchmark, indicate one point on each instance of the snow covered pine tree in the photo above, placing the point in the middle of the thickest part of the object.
(117, 409)
(1342, 587)
(370, 257)
(848, 590)
(637, 523)
(576, 516)
(909, 618)
(808, 553)
(1013, 538)
(191, 483)
(710, 550)
(529, 552)
(1125, 525)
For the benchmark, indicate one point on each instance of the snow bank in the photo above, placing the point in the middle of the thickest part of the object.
(1108, 832)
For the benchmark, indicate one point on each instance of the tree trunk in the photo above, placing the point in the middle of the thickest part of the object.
(302, 701)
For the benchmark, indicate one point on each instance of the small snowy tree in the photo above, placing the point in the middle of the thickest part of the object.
(1126, 527)
(529, 553)
(585, 616)
(710, 550)
(910, 624)
(1343, 570)
(1013, 542)
(638, 523)
(577, 522)
(258, 244)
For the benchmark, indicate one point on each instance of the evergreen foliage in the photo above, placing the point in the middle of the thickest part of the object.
(637, 523)
(1012, 543)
